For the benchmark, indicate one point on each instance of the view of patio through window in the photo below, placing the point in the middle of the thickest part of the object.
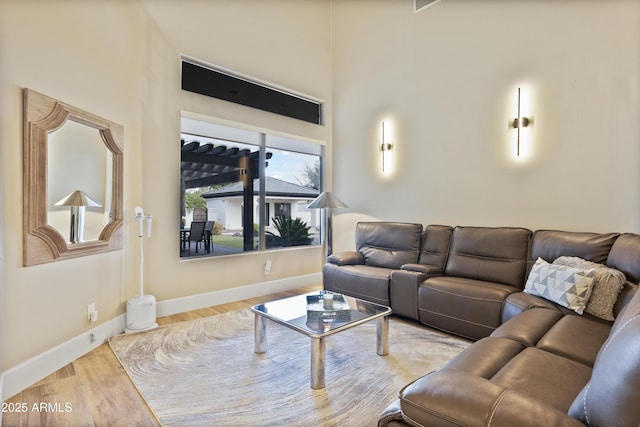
(245, 190)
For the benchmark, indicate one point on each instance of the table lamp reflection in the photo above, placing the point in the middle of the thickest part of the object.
(78, 200)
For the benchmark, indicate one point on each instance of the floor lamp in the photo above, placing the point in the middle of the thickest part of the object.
(327, 201)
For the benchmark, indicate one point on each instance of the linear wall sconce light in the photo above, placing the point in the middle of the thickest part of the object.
(385, 147)
(519, 123)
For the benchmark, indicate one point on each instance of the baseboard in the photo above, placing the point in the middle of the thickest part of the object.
(33, 370)
(195, 302)
(16, 379)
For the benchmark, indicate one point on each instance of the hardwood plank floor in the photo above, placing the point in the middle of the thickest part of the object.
(94, 390)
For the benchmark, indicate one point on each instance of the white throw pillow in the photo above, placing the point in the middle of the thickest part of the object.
(570, 287)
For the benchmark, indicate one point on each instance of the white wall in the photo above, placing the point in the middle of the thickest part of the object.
(59, 49)
(120, 61)
(445, 79)
(284, 42)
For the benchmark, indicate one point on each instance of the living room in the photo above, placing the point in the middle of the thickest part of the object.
(443, 80)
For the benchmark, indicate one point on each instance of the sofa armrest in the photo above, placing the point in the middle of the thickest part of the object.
(436, 400)
(346, 258)
(403, 292)
(404, 286)
(431, 270)
(392, 416)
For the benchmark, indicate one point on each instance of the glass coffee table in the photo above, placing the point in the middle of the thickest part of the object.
(318, 315)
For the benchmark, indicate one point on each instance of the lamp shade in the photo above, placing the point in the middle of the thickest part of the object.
(326, 200)
(77, 198)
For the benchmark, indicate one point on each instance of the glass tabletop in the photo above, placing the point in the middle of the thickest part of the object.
(321, 313)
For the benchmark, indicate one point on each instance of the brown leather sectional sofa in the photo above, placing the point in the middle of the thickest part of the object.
(534, 362)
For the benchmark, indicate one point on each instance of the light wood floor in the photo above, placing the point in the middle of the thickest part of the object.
(94, 390)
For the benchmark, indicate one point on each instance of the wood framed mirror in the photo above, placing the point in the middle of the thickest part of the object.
(73, 180)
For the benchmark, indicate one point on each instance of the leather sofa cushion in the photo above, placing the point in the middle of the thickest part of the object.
(485, 357)
(576, 337)
(551, 244)
(629, 290)
(624, 256)
(435, 245)
(450, 398)
(528, 327)
(613, 392)
(491, 254)
(520, 302)
(547, 377)
(388, 244)
(423, 403)
(360, 281)
(465, 307)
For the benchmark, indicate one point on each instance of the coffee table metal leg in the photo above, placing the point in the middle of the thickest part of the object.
(317, 363)
(260, 334)
(382, 335)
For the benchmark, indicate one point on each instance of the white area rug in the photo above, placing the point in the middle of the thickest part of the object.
(205, 372)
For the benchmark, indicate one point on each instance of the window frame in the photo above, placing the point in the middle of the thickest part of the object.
(263, 139)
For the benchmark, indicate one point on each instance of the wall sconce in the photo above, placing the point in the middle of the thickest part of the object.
(385, 147)
(519, 123)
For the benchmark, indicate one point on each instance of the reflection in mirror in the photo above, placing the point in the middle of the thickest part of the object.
(76, 150)
(73, 164)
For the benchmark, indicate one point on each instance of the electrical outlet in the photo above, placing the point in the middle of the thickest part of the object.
(90, 309)
(267, 267)
(92, 313)
(92, 337)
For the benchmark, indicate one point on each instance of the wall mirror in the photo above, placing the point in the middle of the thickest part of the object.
(73, 178)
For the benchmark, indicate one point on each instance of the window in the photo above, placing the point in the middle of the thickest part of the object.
(253, 187)
(283, 209)
(209, 81)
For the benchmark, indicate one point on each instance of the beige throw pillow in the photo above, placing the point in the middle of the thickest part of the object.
(607, 285)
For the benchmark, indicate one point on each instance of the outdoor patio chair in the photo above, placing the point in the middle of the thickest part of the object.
(208, 236)
(196, 234)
